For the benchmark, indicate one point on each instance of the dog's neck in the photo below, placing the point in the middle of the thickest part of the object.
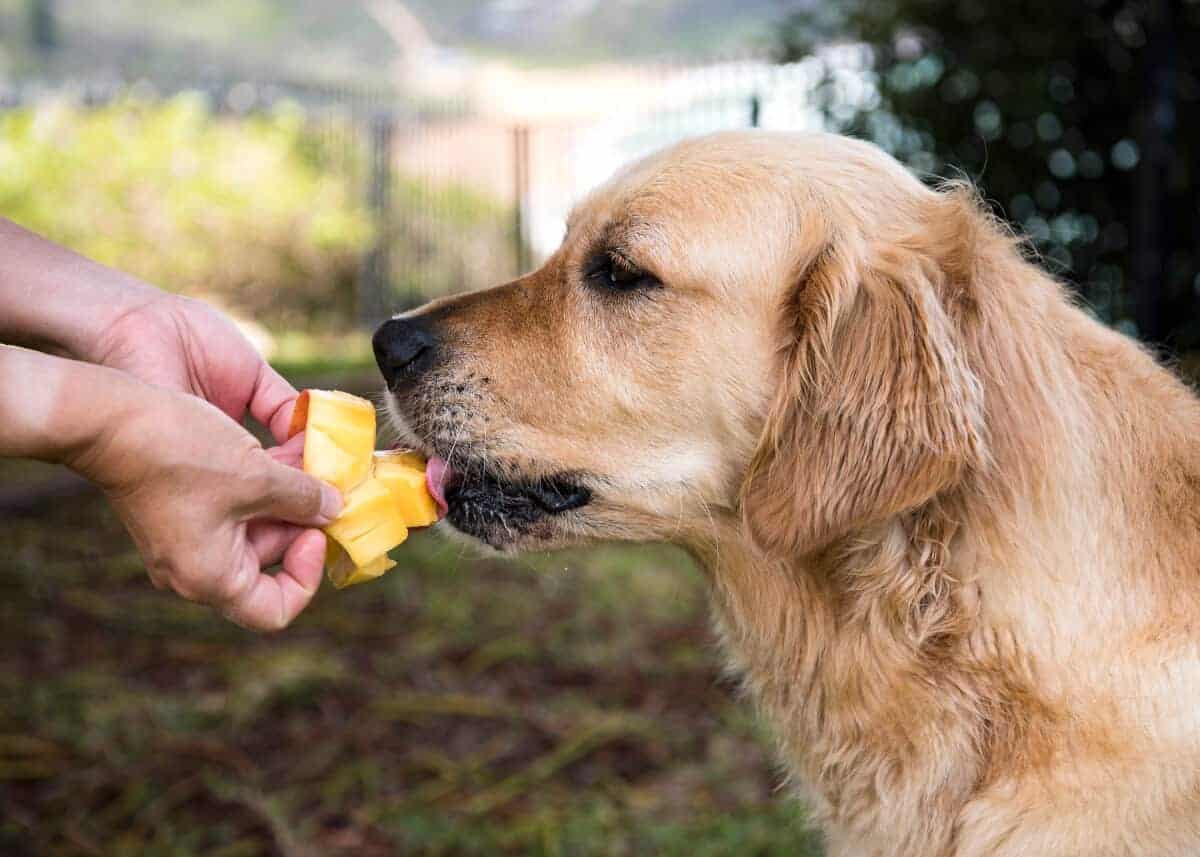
(902, 663)
(851, 656)
(889, 688)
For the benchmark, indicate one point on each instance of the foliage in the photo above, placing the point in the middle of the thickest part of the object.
(165, 39)
(254, 211)
(42, 28)
(264, 212)
(445, 239)
(562, 704)
(333, 40)
(1081, 120)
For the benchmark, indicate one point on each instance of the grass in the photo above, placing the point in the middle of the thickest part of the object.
(566, 704)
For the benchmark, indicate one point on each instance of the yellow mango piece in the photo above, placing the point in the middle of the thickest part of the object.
(384, 492)
(370, 524)
(404, 475)
(340, 436)
(325, 459)
(343, 572)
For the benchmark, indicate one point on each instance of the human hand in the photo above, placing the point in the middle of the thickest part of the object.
(201, 516)
(187, 345)
(57, 301)
(54, 300)
(204, 502)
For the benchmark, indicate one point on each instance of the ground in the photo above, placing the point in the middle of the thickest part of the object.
(565, 704)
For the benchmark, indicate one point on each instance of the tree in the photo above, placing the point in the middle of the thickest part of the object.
(1080, 121)
(43, 27)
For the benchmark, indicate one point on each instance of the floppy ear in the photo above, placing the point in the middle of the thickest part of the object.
(877, 410)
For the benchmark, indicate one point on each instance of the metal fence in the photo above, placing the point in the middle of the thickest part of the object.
(460, 200)
(478, 200)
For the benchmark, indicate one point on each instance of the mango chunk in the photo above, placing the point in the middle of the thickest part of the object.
(343, 572)
(326, 459)
(370, 524)
(385, 493)
(340, 436)
(404, 475)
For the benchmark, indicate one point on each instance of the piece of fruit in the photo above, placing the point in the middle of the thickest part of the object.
(343, 572)
(404, 475)
(385, 493)
(340, 436)
(370, 524)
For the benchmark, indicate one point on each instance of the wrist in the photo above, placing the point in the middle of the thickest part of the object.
(133, 319)
(96, 303)
(63, 411)
(109, 421)
(52, 297)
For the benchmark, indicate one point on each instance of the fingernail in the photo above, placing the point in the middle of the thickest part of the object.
(331, 502)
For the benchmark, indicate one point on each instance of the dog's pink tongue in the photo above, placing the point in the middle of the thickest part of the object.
(437, 471)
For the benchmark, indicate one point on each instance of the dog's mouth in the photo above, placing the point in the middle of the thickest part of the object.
(504, 503)
(501, 511)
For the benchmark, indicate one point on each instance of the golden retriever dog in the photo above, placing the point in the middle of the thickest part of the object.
(950, 521)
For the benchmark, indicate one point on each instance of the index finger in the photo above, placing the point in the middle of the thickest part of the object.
(273, 601)
(272, 401)
(290, 452)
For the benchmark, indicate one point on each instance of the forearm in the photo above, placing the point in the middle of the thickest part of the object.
(53, 298)
(59, 410)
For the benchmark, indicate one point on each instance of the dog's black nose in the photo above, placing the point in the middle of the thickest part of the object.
(404, 349)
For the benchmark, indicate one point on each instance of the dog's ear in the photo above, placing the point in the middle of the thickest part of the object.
(877, 409)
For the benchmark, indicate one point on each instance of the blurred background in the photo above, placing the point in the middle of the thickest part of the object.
(313, 166)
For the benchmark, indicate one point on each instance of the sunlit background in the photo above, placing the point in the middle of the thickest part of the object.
(312, 167)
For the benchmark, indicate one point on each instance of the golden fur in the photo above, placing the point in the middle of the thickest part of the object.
(950, 521)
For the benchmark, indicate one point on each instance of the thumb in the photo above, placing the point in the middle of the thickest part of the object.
(292, 495)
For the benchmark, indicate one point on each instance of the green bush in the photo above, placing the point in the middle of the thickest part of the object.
(262, 213)
(447, 238)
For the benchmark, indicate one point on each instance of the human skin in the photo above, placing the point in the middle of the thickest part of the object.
(148, 408)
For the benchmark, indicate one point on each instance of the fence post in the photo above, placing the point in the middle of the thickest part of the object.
(374, 281)
(43, 26)
(520, 197)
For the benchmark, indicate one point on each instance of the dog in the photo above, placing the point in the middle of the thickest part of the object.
(950, 521)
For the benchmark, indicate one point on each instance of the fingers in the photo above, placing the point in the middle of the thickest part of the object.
(290, 453)
(270, 539)
(271, 602)
(272, 401)
(292, 495)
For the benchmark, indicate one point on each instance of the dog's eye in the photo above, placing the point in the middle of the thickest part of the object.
(611, 270)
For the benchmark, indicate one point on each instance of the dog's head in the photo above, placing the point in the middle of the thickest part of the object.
(749, 324)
